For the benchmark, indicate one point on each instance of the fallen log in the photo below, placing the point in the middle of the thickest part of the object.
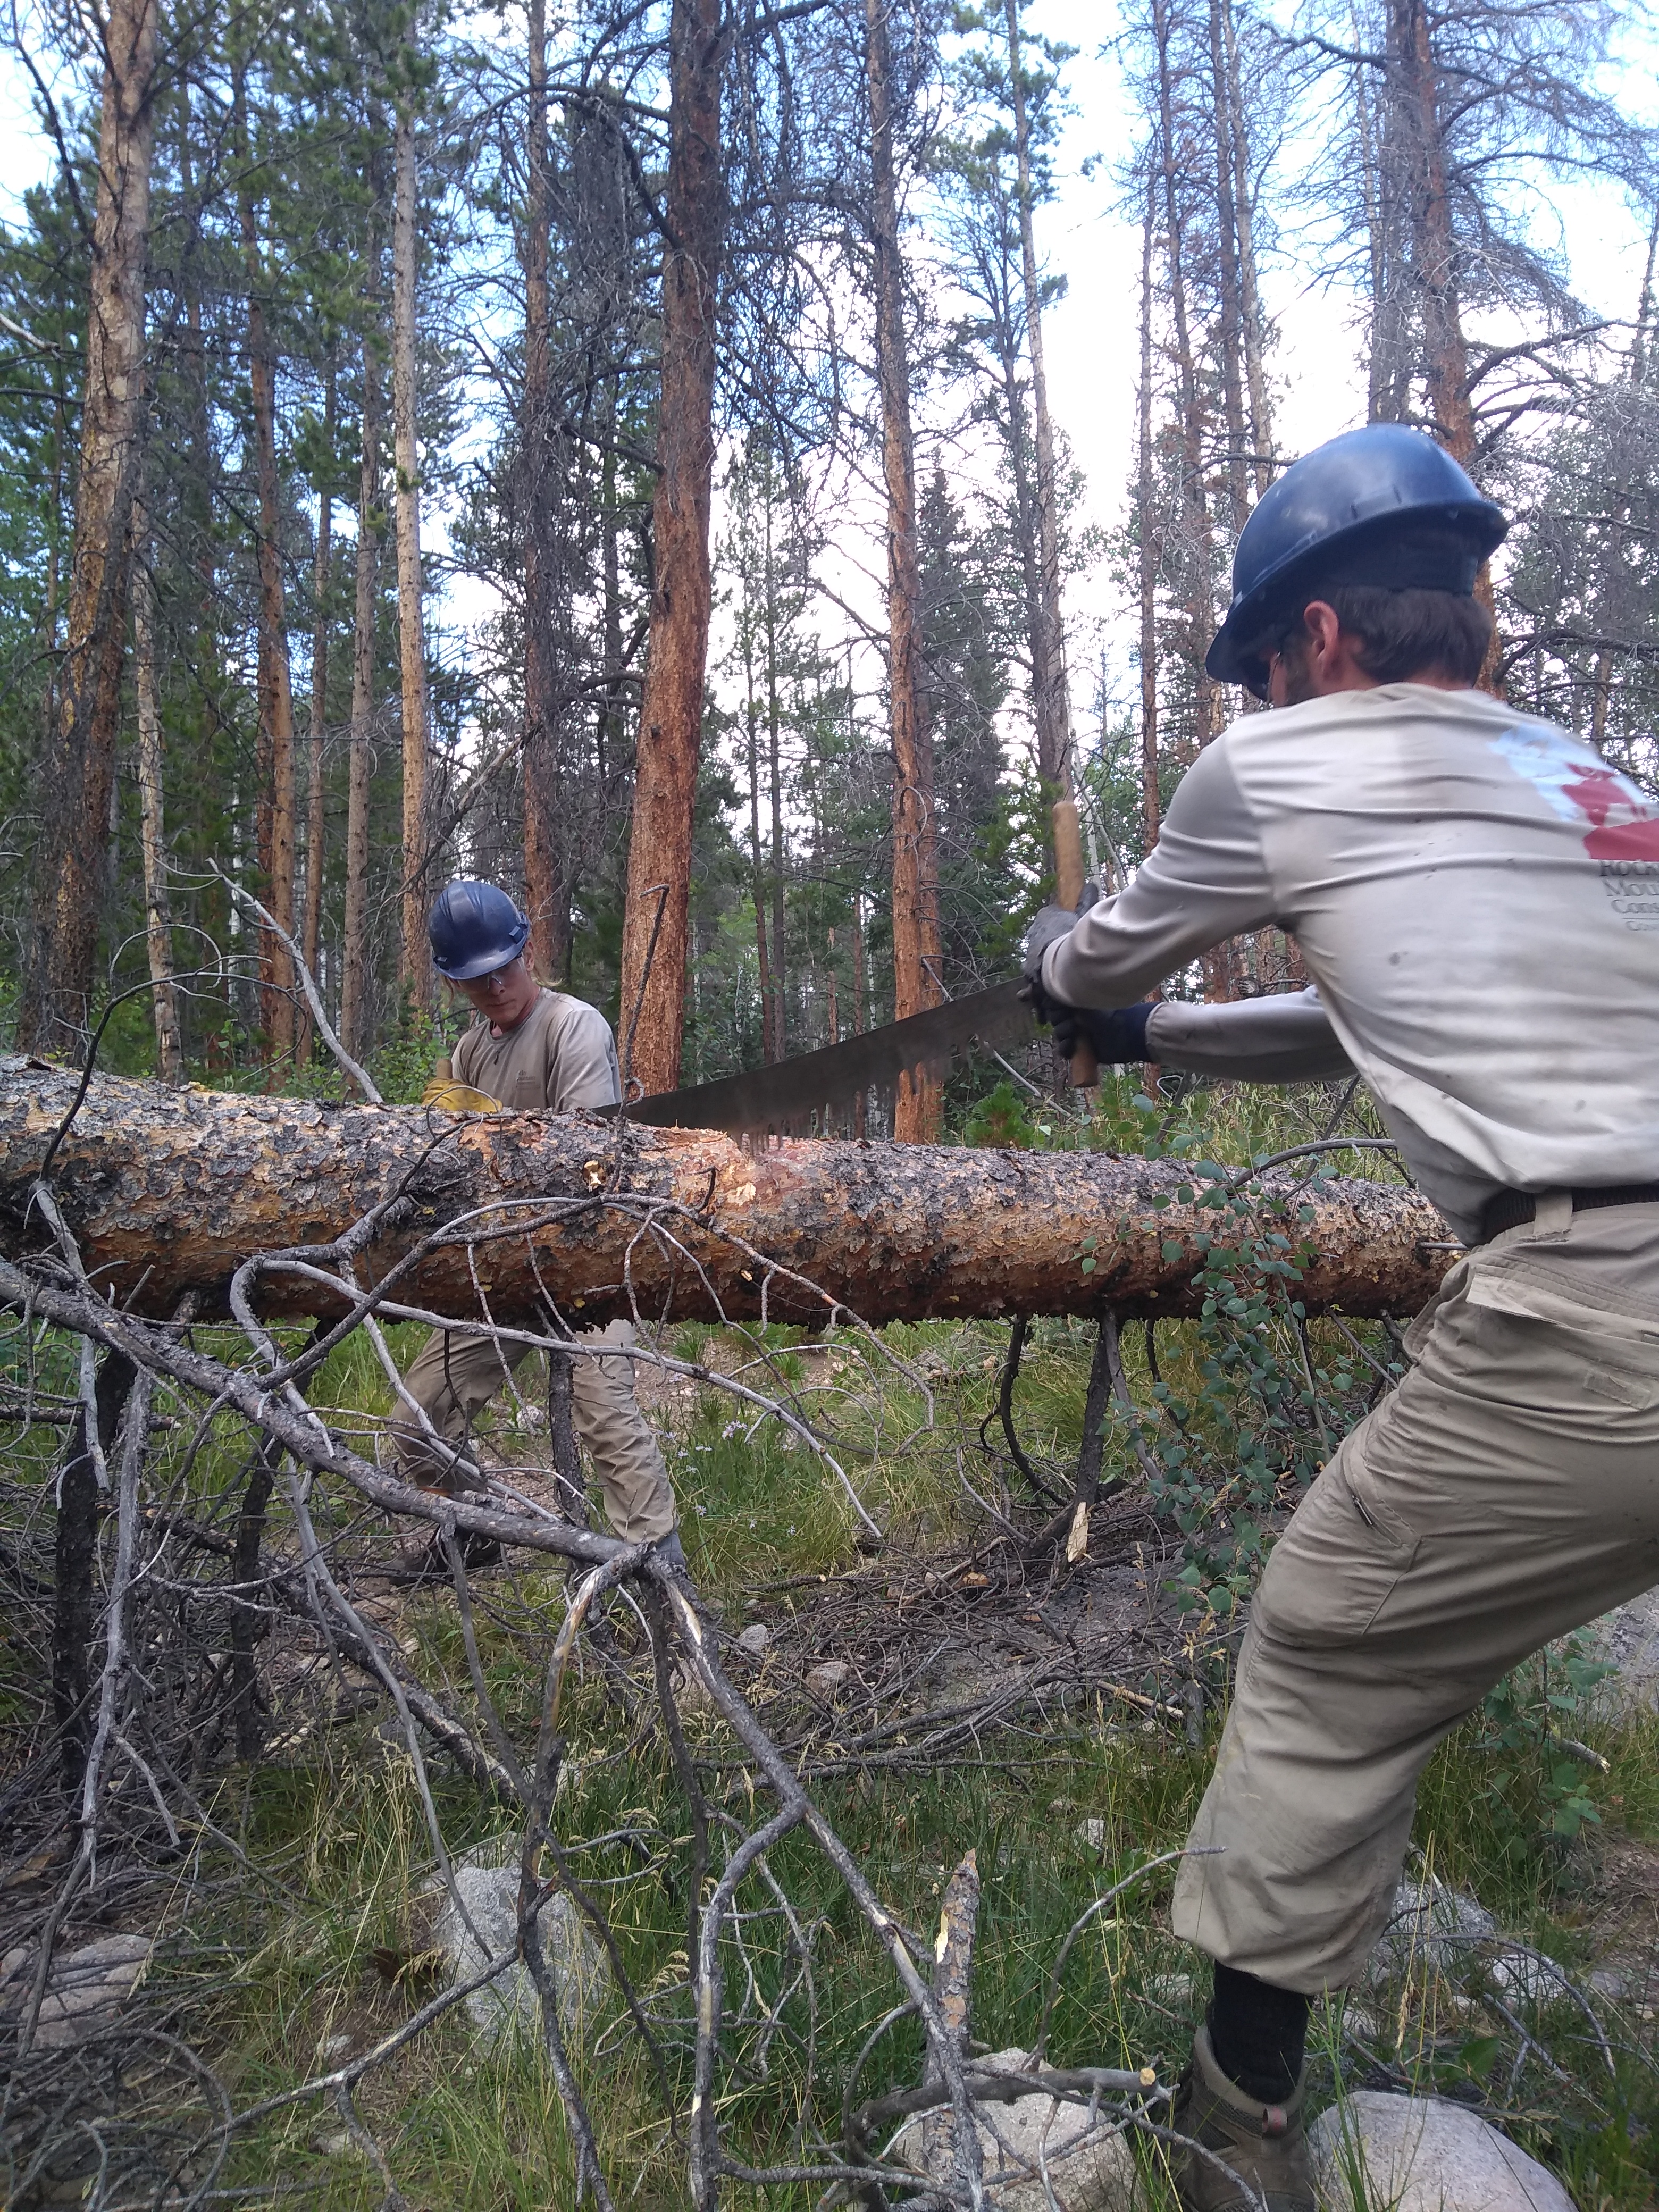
(167, 1190)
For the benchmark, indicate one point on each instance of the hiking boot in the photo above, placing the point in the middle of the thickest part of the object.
(1264, 2146)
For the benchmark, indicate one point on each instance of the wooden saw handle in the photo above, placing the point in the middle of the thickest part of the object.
(1068, 891)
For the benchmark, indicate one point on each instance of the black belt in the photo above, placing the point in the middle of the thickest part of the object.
(1508, 1209)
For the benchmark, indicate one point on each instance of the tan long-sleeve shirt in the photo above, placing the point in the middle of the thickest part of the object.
(561, 1058)
(1476, 895)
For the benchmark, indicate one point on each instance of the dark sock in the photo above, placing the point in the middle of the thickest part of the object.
(1259, 2034)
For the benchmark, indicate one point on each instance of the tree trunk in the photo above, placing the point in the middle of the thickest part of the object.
(158, 918)
(1231, 283)
(316, 816)
(354, 987)
(670, 711)
(414, 959)
(918, 1105)
(544, 895)
(1255, 336)
(1048, 687)
(1151, 802)
(757, 878)
(1195, 562)
(276, 840)
(170, 1190)
(774, 762)
(77, 769)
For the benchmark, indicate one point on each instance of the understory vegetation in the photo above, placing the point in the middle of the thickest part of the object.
(962, 1685)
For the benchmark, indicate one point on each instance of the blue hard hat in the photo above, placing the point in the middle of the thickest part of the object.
(474, 928)
(1384, 505)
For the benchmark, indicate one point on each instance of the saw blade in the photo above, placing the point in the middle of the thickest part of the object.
(790, 1098)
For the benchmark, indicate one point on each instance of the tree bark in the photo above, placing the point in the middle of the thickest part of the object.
(1200, 608)
(354, 988)
(275, 839)
(158, 917)
(670, 711)
(780, 969)
(1048, 686)
(170, 1190)
(1255, 336)
(1232, 282)
(545, 892)
(77, 769)
(414, 960)
(1151, 801)
(316, 814)
(918, 1105)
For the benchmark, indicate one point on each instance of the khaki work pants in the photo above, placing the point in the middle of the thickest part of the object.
(452, 1378)
(1504, 1493)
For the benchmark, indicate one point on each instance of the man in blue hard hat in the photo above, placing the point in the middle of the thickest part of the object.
(1476, 896)
(538, 1050)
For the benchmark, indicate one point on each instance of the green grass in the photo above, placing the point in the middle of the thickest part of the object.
(340, 1950)
(330, 1938)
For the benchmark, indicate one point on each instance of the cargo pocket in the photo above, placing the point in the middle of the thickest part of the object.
(1336, 1567)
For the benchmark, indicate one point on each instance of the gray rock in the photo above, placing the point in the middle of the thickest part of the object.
(1091, 1833)
(1017, 2140)
(1520, 1978)
(1425, 2154)
(85, 1989)
(823, 1681)
(1627, 1639)
(754, 1638)
(1430, 1926)
(489, 1890)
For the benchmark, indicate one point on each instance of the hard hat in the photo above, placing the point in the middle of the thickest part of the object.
(474, 928)
(1384, 505)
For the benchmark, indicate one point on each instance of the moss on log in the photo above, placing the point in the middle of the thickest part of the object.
(170, 1190)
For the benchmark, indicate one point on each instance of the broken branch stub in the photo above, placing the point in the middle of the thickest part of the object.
(168, 1191)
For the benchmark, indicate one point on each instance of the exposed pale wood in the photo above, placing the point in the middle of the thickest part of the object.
(169, 1190)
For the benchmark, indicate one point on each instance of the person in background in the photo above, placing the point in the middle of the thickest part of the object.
(530, 1048)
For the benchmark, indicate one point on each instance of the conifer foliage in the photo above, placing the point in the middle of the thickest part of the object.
(614, 452)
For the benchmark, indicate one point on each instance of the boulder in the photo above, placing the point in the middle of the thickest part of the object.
(1424, 2154)
(1016, 2141)
(85, 1988)
(754, 1638)
(488, 1885)
(1627, 1640)
(1430, 1925)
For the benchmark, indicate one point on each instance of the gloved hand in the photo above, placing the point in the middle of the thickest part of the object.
(1052, 923)
(1114, 1036)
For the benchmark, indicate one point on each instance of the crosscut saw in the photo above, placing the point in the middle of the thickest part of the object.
(796, 1097)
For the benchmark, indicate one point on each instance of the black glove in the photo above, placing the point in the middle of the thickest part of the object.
(1113, 1036)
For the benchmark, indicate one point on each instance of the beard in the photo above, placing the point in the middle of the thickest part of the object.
(1296, 672)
